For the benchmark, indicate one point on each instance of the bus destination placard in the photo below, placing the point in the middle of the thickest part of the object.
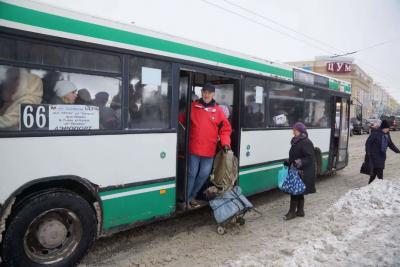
(59, 117)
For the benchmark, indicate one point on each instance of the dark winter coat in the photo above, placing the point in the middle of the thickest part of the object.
(303, 149)
(373, 148)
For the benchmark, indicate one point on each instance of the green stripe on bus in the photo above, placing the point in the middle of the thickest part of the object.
(137, 207)
(325, 162)
(254, 180)
(54, 22)
(258, 179)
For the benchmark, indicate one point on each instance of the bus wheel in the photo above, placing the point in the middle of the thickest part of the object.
(53, 229)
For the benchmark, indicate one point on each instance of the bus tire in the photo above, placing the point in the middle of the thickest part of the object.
(53, 229)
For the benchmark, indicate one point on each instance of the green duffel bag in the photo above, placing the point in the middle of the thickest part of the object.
(225, 171)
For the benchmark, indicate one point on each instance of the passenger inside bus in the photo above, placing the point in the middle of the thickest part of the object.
(65, 93)
(84, 97)
(316, 115)
(108, 117)
(254, 114)
(136, 104)
(19, 87)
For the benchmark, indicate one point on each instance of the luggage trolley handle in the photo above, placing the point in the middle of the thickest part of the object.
(244, 205)
(237, 196)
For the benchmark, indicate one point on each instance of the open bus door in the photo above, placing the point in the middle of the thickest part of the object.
(226, 94)
(340, 133)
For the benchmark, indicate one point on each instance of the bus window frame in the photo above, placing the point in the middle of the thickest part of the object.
(243, 106)
(180, 63)
(123, 76)
(297, 84)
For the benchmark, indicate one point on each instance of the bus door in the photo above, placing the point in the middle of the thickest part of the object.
(340, 133)
(226, 95)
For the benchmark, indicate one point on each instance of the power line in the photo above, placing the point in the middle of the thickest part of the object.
(299, 33)
(379, 44)
(283, 26)
(268, 27)
(368, 47)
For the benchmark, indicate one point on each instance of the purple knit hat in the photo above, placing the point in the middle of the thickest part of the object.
(300, 127)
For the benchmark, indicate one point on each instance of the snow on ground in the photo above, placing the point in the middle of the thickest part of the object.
(360, 229)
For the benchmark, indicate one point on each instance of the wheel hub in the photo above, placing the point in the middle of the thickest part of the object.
(51, 233)
(52, 236)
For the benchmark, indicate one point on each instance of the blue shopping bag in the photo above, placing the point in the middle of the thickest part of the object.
(282, 175)
(293, 184)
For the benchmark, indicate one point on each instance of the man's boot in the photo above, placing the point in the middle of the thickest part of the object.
(300, 207)
(292, 210)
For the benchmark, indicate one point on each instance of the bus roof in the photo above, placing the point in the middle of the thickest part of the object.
(49, 20)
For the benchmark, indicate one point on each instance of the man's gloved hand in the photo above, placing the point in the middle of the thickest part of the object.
(226, 148)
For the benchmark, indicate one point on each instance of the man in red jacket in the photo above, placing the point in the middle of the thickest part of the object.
(208, 124)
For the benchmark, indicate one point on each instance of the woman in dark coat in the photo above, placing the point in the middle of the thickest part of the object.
(376, 146)
(301, 156)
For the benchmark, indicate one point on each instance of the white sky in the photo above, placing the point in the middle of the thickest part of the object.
(346, 25)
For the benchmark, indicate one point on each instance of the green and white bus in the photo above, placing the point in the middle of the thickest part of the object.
(115, 157)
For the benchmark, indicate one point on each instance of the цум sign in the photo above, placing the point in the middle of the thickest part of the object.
(338, 67)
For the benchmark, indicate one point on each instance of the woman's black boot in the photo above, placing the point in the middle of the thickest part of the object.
(300, 207)
(292, 210)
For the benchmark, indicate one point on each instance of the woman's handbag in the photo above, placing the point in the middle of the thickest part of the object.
(293, 184)
(366, 167)
(282, 175)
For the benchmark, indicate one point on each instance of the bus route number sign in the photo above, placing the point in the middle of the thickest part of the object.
(34, 117)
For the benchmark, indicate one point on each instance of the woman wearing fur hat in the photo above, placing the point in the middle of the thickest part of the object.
(20, 87)
(66, 93)
(376, 146)
(301, 156)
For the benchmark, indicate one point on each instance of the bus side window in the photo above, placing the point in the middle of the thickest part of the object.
(91, 90)
(317, 111)
(254, 103)
(18, 87)
(34, 86)
(149, 94)
(286, 104)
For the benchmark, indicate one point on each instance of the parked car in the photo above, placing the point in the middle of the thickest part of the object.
(360, 126)
(394, 121)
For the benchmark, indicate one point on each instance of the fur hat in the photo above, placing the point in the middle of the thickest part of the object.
(62, 88)
(385, 125)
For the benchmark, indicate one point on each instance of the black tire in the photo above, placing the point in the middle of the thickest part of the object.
(53, 229)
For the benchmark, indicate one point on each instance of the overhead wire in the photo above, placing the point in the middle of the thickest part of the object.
(283, 26)
(368, 47)
(333, 55)
(268, 27)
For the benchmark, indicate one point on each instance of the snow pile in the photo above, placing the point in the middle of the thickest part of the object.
(361, 229)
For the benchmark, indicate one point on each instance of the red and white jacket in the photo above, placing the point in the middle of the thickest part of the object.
(207, 123)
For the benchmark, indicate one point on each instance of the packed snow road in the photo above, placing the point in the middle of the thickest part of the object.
(343, 226)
